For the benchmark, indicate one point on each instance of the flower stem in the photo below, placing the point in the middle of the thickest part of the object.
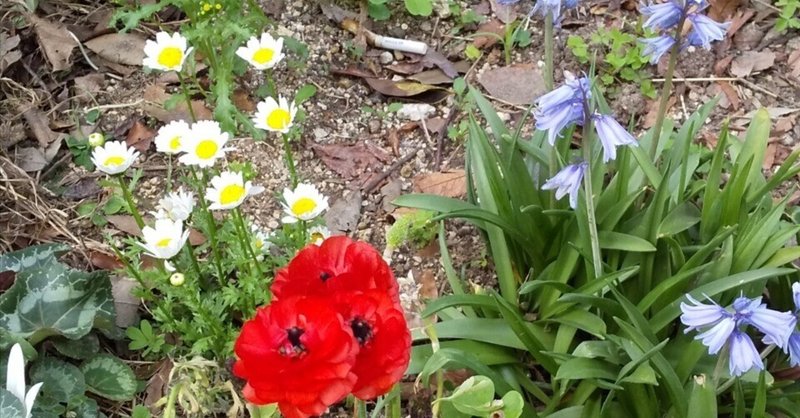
(187, 248)
(666, 89)
(270, 85)
(360, 409)
(186, 96)
(287, 150)
(246, 240)
(169, 171)
(589, 197)
(548, 52)
(212, 223)
(126, 193)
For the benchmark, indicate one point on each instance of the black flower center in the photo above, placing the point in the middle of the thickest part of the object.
(361, 330)
(296, 348)
(324, 276)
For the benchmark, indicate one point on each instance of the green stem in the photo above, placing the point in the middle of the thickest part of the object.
(247, 240)
(212, 223)
(548, 52)
(287, 150)
(666, 89)
(126, 193)
(271, 91)
(589, 195)
(360, 409)
(169, 171)
(393, 408)
(128, 265)
(187, 248)
(186, 96)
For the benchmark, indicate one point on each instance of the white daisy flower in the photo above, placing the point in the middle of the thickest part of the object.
(166, 53)
(303, 203)
(171, 136)
(204, 144)
(176, 206)
(261, 239)
(318, 234)
(228, 190)
(275, 116)
(262, 54)
(15, 380)
(114, 157)
(165, 240)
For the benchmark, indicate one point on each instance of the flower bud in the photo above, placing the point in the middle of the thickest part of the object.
(177, 279)
(96, 139)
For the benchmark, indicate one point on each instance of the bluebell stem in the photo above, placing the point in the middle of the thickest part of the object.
(568, 181)
(655, 48)
(545, 7)
(611, 135)
(723, 326)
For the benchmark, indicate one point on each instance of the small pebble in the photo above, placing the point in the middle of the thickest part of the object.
(385, 57)
(374, 126)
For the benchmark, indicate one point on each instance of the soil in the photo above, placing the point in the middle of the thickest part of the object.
(337, 116)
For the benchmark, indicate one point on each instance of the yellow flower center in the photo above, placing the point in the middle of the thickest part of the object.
(303, 206)
(232, 193)
(316, 236)
(263, 55)
(163, 243)
(175, 143)
(170, 57)
(259, 244)
(114, 161)
(206, 149)
(279, 119)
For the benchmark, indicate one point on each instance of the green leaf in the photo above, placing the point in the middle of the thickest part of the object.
(10, 406)
(79, 349)
(580, 368)
(140, 411)
(679, 219)
(50, 298)
(459, 85)
(61, 381)
(378, 11)
(473, 396)
(17, 260)
(611, 240)
(86, 408)
(472, 52)
(304, 93)
(419, 7)
(512, 404)
(109, 377)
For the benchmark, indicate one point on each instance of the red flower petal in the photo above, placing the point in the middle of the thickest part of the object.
(339, 264)
(299, 353)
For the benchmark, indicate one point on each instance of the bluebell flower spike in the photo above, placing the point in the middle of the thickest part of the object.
(706, 30)
(743, 355)
(562, 107)
(655, 48)
(568, 181)
(612, 135)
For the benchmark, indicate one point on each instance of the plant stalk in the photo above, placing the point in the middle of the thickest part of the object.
(666, 89)
(597, 261)
(126, 193)
(186, 96)
(287, 150)
(246, 239)
(548, 52)
(193, 258)
(212, 223)
(360, 409)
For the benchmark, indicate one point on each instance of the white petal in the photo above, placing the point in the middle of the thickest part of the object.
(15, 375)
(30, 398)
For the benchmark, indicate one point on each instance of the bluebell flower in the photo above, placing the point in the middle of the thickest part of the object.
(793, 348)
(726, 327)
(543, 7)
(611, 135)
(567, 181)
(562, 107)
(655, 48)
(662, 16)
(705, 30)
(507, 2)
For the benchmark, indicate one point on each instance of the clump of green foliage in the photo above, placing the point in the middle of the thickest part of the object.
(622, 58)
(379, 9)
(415, 229)
(789, 18)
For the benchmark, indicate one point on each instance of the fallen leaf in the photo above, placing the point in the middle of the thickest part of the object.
(6, 280)
(436, 58)
(196, 237)
(89, 84)
(505, 12)
(485, 35)
(769, 156)
(435, 124)
(353, 71)
(517, 84)
(126, 303)
(155, 96)
(9, 54)
(55, 41)
(336, 13)
(794, 62)
(83, 188)
(105, 261)
(344, 213)
(451, 183)
(125, 223)
(722, 64)
(428, 289)
(30, 159)
(721, 10)
(389, 192)
(39, 126)
(157, 384)
(730, 94)
(774, 112)
(407, 68)
(241, 99)
(430, 77)
(652, 112)
(399, 88)
(739, 20)
(140, 136)
(120, 48)
(752, 61)
(350, 161)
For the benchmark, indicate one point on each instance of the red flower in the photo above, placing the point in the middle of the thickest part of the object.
(299, 353)
(380, 328)
(339, 264)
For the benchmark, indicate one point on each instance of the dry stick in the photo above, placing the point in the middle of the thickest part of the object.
(368, 188)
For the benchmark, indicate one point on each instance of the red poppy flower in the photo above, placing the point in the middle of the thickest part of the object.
(380, 328)
(338, 264)
(299, 353)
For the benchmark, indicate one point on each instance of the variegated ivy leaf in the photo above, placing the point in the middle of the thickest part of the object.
(49, 298)
(18, 260)
(109, 377)
(10, 406)
(61, 381)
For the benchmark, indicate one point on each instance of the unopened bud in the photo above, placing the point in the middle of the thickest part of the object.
(177, 279)
(97, 139)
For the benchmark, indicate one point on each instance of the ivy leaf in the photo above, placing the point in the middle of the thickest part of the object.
(109, 377)
(61, 381)
(10, 406)
(419, 7)
(50, 298)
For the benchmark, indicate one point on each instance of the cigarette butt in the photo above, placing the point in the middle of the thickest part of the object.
(403, 45)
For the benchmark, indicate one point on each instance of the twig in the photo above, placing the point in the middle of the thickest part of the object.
(83, 51)
(441, 134)
(507, 103)
(369, 187)
(757, 87)
(113, 106)
(768, 5)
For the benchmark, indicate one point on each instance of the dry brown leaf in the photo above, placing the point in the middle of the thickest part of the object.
(155, 95)
(55, 41)
(125, 223)
(39, 126)
(89, 84)
(350, 161)
(428, 289)
(722, 10)
(769, 156)
(105, 261)
(30, 159)
(120, 48)
(158, 383)
(494, 27)
(451, 183)
(794, 62)
(730, 94)
(126, 303)
(751, 61)
(399, 88)
(8, 52)
(140, 136)
(652, 112)
(722, 64)
(517, 84)
(344, 213)
(241, 99)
